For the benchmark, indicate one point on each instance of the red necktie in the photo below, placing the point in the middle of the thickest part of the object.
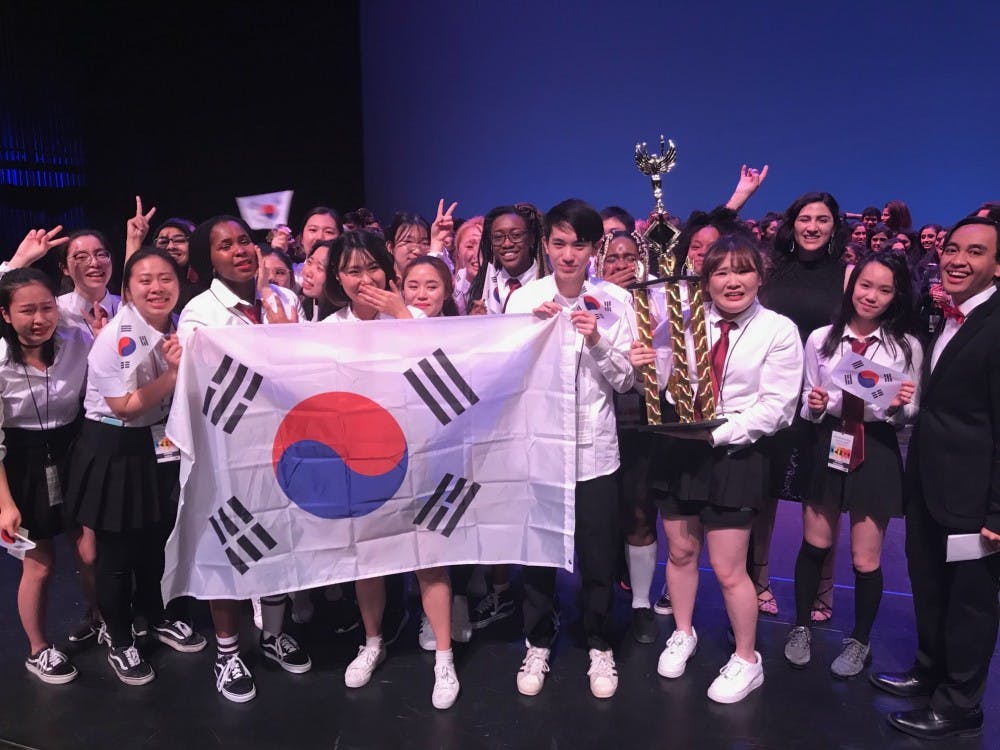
(252, 312)
(853, 412)
(718, 356)
(512, 286)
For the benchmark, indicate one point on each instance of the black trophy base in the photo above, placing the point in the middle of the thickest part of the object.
(680, 427)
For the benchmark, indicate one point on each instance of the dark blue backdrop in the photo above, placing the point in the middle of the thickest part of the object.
(489, 103)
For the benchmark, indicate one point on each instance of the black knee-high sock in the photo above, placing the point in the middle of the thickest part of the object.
(867, 596)
(808, 569)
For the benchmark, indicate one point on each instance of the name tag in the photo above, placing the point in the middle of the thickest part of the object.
(52, 484)
(841, 448)
(166, 451)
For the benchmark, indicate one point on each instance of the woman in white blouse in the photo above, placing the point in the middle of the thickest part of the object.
(43, 370)
(874, 320)
(716, 479)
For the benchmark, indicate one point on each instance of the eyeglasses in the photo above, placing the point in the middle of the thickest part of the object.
(515, 236)
(101, 256)
(177, 239)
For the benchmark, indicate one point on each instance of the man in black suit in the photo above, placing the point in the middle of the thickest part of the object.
(953, 482)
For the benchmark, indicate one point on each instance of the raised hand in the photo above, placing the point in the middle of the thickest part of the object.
(35, 245)
(442, 228)
(137, 227)
(750, 180)
(172, 352)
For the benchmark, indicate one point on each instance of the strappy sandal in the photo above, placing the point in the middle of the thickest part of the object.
(766, 605)
(821, 611)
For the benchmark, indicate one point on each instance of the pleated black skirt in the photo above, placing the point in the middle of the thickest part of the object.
(694, 471)
(115, 481)
(792, 458)
(875, 488)
(28, 452)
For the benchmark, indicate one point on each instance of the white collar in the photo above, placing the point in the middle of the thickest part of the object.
(740, 320)
(227, 296)
(109, 303)
(878, 334)
(975, 301)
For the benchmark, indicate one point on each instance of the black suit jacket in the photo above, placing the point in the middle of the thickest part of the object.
(954, 454)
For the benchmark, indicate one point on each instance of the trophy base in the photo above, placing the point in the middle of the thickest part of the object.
(676, 427)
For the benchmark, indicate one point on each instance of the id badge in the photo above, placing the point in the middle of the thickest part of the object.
(166, 451)
(584, 428)
(841, 448)
(52, 484)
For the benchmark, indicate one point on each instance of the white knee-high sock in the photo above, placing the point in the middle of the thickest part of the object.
(641, 567)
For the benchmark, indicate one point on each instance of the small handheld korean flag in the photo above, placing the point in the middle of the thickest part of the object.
(605, 308)
(267, 210)
(136, 340)
(869, 381)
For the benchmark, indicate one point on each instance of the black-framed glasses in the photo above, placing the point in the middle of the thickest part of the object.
(177, 239)
(515, 236)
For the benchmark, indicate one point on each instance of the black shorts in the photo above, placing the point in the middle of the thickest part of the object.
(714, 516)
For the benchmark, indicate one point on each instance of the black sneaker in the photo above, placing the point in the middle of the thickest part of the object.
(284, 650)
(140, 626)
(103, 636)
(52, 666)
(492, 608)
(393, 624)
(345, 615)
(663, 605)
(129, 665)
(233, 679)
(644, 627)
(179, 636)
(86, 630)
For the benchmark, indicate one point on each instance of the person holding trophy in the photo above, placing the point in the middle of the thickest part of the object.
(715, 478)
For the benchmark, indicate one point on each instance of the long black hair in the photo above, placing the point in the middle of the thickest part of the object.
(897, 320)
(356, 241)
(9, 284)
(784, 240)
(533, 219)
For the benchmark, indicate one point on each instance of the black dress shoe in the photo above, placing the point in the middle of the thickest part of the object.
(644, 627)
(909, 684)
(927, 724)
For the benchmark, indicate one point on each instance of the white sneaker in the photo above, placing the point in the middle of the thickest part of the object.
(737, 680)
(531, 676)
(461, 628)
(680, 647)
(426, 637)
(359, 671)
(446, 686)
(602, 673)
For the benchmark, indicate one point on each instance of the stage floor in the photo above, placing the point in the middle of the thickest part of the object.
(181, 709)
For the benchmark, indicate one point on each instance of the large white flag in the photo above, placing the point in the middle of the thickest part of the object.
(317, 453)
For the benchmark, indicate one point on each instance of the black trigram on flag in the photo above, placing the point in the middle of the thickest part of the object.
(235, 532)
(225, 390)
(448, 502)
(436, 372)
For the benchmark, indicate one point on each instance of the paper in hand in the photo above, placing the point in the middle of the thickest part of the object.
(17, 545)
(871, 382)
(968, 547)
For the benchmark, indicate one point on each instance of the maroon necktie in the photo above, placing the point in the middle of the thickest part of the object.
(718, 356)
(512, 286)
(853, 412)
(252, 312)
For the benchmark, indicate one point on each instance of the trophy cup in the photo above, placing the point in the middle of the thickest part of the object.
(695, 409)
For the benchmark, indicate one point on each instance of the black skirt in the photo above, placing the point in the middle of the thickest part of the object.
(28, 452)
(694, 471)
(792, 458)
(875, 488)
(115, 481)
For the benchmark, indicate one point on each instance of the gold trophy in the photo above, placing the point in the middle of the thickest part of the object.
(694, 410)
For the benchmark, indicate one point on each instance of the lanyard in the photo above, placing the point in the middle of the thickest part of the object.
(38, 412)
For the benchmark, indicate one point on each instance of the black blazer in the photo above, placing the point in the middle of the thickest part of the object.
(954, 454)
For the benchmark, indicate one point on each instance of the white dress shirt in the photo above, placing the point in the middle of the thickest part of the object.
(34, 400)
(951, 325)
(106, 379)
(73, 309)
(601, 369)
(219, 306)
(762, 375)
(818, 369)
(498, 290)
(346, 315)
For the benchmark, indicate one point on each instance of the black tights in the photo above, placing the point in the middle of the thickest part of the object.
(120, 557)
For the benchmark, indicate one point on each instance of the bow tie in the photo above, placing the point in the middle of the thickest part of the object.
(951, 311)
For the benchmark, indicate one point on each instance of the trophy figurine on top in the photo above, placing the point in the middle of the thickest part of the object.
(695, 405)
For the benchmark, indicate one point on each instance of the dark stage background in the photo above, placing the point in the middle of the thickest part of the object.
(186, 104)
(488, 103)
